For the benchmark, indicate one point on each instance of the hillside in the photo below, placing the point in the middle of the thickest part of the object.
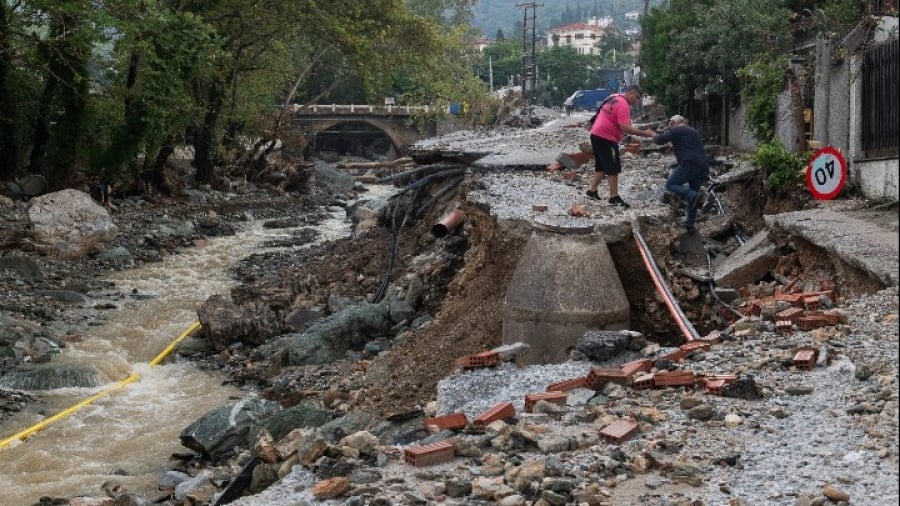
(491, 15)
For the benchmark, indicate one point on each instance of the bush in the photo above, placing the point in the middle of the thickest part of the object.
(782, 167)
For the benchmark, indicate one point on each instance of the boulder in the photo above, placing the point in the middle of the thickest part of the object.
(51, 377)
(216, 434)
(330, 339)
(69, 224)
(225, 322)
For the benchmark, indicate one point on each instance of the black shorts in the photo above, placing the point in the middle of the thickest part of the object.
(606, 156)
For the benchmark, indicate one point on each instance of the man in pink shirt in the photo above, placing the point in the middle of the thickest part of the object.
(612, 123)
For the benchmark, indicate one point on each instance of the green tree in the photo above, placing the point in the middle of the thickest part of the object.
(163, 54)
(64, 51)
(615, 50)
(9, 104)
(505, 60)
(563, 71)
(699, 46)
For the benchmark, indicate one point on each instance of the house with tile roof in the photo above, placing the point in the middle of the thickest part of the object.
(581, 36)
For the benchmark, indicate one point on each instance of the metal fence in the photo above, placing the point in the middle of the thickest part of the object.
(882, 7)
(880, 133)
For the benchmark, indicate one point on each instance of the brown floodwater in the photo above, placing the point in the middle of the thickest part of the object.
(129, 434)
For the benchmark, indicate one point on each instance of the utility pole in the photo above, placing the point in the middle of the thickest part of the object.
(529, 57)
(491, 71)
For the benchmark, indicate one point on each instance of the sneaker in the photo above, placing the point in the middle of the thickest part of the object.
(698, 199)
(592, 194)
(618, 202)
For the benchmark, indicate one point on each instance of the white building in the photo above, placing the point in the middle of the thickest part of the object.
(632, 15)
(581, 36)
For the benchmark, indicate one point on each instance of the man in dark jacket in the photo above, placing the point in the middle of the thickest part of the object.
(692, 168)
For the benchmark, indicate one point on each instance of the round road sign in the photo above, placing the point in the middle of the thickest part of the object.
(826, 173)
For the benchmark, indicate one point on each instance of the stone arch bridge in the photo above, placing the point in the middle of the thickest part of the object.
(360, 123)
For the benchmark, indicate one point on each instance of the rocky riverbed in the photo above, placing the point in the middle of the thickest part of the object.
(336, 427)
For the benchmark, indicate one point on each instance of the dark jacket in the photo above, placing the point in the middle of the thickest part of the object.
(688, 146)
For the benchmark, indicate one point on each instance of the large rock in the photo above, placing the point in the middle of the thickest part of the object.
(14, 329)
(330, 339)
(69, 224)
(51, 377)
(216, 434)
(23, 268)
(602, 345)
(224, 322)
(281, 424)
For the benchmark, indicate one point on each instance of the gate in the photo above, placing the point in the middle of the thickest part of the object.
(879, 101)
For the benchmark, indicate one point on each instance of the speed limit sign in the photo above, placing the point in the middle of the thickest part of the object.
(826, 173)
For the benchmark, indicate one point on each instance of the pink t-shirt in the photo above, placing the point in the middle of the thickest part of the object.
(615, 112)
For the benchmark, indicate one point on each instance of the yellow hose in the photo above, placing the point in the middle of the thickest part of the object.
(21, 436)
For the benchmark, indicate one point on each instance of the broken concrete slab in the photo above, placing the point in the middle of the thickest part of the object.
(749, 263)
(855, 236)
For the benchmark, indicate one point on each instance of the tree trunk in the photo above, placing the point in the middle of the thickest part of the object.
(60, 131)
(156, 171)
(9, 130)
(205, 136)
(42, 127)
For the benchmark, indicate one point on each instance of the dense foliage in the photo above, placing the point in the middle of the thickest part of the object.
(704, 47)
(782, 167)
(105, 91)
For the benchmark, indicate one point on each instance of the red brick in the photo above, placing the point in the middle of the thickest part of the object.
(714, 386)
(673, 379)
(813, 322)
(783, 326)
(599, 377)
(554, 397)
(429, 455)
(795, 298)
(483, 359)
(805, 358)
(728, 378)
(619, 431)
(644, 382)
(790, 314)
(811, 302)
(453, 421)
(675, 355)
(501, 411)
(788, 288)
(636, 366)
(832, 318)
(694, 345)
(566, 385)
(752, 309)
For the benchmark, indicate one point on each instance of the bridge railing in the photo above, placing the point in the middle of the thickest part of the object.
(357, 109)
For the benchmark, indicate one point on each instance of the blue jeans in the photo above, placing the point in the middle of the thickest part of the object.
(694, 178)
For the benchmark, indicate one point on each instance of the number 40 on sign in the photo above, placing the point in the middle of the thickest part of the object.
(826, 173)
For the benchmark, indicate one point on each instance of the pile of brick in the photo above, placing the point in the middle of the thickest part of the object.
(804, 313)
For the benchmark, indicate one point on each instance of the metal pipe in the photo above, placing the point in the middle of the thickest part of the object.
(690, 333)
(22, 435)
(448, 223)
